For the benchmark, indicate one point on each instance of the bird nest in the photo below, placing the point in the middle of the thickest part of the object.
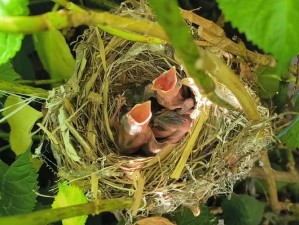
(219, 149)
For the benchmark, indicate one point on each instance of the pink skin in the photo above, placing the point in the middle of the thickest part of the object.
(171, 126)
(133, 131)
(153, 147)
(169, 95)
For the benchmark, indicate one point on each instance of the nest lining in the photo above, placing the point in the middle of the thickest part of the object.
(82, 141)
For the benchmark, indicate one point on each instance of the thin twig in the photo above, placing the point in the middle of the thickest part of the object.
(278, 175)
(5, 147)
(289, 206)
(272, 190)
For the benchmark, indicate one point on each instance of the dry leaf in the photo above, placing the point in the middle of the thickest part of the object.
(157, 220)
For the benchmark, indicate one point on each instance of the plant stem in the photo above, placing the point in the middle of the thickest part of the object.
(289, 206)
(215, 35)
(5, 147)
(271, 183)
(72, 18)
(278, 175)
(291, 160)
(225, 75)
(115, 31)
(4, 135)
(39, 82)
(12, 87)
(47, 216)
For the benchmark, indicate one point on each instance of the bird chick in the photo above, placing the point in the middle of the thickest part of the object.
(153, 147)
(133, 130)
(171, 127)
(170, 92)
(137, 94)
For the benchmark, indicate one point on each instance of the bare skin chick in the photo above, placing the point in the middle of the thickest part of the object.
(170, 93)
(171, 127)
(133, 130)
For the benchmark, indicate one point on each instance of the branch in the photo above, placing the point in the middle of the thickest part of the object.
(289, 206)
(13, 87)
(52, 215)
(114, 31)
(278, 175)
(73, 18)
(271, 183)
(215, 35)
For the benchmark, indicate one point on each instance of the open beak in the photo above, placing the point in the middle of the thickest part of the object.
(133, 131)
(138, 118)
(168, 88)
(166, 81)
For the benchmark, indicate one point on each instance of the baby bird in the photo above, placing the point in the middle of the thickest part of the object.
(153, 147)
(171, 127)
(170, 92)
(133, 130)
(138, 94)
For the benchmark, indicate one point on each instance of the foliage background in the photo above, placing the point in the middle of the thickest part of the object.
(278, 91)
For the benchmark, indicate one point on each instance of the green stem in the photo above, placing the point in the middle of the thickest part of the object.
(197, 62)
(115, 31)
(5, 147)
(47, 216)
(182, 42)
(12, 87)
(72, 18)
(4, 135)
(39, 82)
(55, 7)
(291, 160)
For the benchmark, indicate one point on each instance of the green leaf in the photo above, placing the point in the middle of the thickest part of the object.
(11, 43)
(69, 195)
(272, 25)
(242, 209)
(55, 54)
(290, 135)
(185, 216)
(7, 72)
(23, 60)
(21, 123)
(268, 80)
(17, 185)
(282, 97)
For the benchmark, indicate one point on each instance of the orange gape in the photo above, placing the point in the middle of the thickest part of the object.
(133, 130)
(170, 93)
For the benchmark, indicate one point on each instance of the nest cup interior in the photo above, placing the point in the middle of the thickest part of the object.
(223, 148)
